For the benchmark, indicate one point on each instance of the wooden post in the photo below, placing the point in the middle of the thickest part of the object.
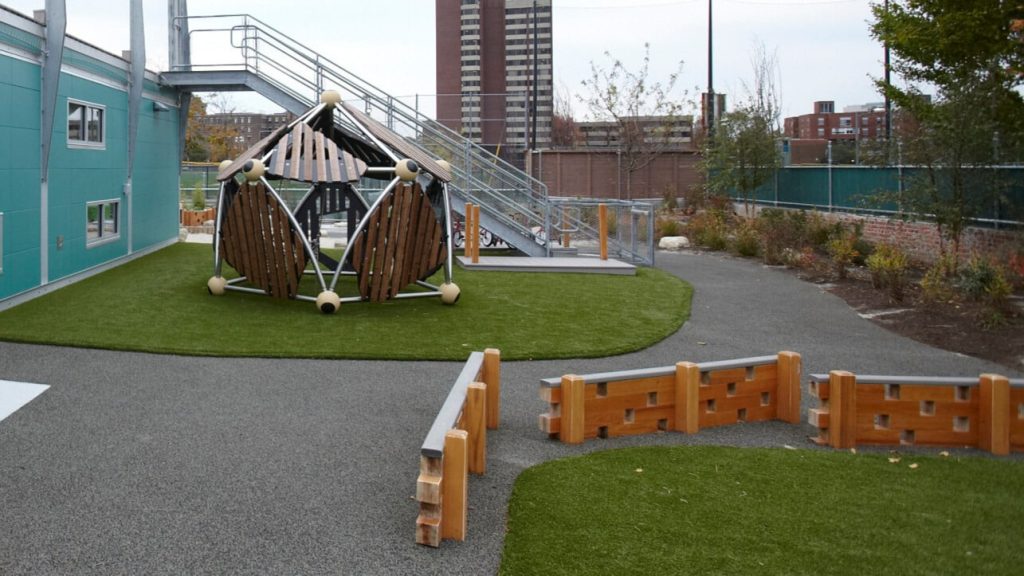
(428, 494)
(467, 241)
(476, 425)
(565, 226)
(492, 377)
(994, 414)
(687, 397)
(842, 405)
(788, 389)
(572, 409)
(454, 486)
(602, 228)
(476, 234)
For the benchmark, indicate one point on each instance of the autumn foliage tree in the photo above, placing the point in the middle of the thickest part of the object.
(207, 141)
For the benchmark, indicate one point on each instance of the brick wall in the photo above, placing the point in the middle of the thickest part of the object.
(598, 174)
(920, 240)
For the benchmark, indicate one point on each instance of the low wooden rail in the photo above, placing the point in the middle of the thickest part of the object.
(456, 445)
(985, 412)
(686, 397)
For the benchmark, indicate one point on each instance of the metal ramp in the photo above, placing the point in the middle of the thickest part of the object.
(513, 205)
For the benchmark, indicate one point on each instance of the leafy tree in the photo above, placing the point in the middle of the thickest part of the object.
(971, 54)
(206, 141)
(643, 112)
(743, 154)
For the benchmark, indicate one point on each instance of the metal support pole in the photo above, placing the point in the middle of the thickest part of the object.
(533, 132)
(829, 149)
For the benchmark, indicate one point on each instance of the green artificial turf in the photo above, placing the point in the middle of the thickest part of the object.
(712, 510)
(159, 303)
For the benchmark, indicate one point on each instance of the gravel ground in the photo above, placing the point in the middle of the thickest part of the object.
(147, 464)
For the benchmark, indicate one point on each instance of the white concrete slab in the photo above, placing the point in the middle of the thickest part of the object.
(567, 264)
(14, 395)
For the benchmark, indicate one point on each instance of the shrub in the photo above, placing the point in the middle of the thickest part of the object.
(771, 223)
(982, 280)
(746, 242)
(1015, 269)
(781, 230)
(198, 197)
(888, 266)
(668, 200)
(805, 258)
(936, 285)
(841, 250)
(707, 229)
(613, 223)
(820, 230)
(864, 250)
(669, 227)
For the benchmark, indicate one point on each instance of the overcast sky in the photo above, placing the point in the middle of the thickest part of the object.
(824, 48)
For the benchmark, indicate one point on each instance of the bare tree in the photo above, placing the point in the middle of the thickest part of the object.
(643, 113)
(565, 133)
(743, 154)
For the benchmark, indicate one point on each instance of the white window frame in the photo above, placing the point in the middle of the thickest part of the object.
(86, 143)
(103, 237)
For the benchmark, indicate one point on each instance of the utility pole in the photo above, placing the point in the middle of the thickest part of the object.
(888, 105)
(710, 111)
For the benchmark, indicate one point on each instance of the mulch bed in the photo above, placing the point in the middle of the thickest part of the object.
(957, 325)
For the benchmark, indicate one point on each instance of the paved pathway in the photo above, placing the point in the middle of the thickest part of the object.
(146, 464)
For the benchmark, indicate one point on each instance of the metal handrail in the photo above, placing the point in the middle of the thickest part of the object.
(504, 192)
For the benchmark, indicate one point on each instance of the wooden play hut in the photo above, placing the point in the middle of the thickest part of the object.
(395, 243)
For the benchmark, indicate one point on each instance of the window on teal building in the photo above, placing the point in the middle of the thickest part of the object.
(86, 126)
(102, 222)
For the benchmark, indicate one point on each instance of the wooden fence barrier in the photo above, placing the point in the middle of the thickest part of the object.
(192, 218)
(686, 397)
(456, 445)
(985, 412)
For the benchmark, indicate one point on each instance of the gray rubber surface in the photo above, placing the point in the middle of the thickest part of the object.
(146, 464)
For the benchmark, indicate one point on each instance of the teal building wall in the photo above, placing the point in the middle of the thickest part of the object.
(78, 176)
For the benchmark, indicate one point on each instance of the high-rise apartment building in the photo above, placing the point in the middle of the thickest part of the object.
(488, 54)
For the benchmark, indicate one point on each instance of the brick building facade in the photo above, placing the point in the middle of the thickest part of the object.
(853, 123)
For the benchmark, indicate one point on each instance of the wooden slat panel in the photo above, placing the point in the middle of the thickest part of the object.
(402, 242)
(423, 230)
(258, 149)
(390, 249)
(321, 157)
(334, 173)
(231, 240)
(265, 245)
(378, 250)
(370, 243)
(412, 242)
(307, 153)
(249, 232)
(286, 238)
(280, 155)
(432, 245)
(296, 156)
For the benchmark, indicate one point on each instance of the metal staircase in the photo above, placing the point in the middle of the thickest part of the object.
(513, 205)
